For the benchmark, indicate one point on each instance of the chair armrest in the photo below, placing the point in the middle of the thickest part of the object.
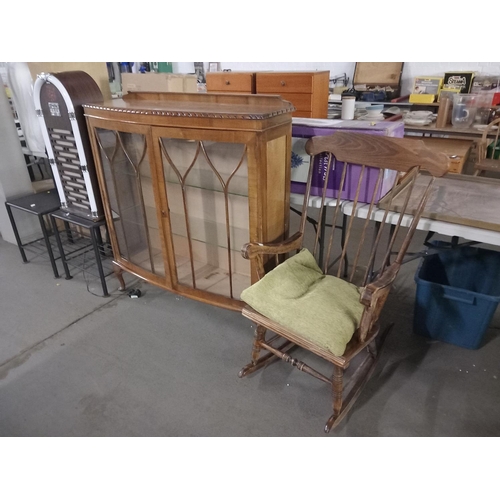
(373, 297)
(372, 290)
(250, 250)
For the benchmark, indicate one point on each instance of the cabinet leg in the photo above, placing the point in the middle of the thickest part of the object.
(119, 276)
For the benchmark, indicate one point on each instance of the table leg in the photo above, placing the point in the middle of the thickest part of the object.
(100, 242)
(16, 233)
(428, 236)
(30, 172)
(61, 249)
(98, 260)
(372, 265)
(67, 228)
(48, 245)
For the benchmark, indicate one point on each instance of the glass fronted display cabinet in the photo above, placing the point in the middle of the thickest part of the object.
(187, 180)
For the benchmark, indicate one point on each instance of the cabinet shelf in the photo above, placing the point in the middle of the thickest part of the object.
(404, 101)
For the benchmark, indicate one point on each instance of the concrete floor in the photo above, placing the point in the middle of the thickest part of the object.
(75, 364)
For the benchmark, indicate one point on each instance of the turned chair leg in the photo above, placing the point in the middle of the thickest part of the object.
(337, 397)
(343, 402)
(256, 363)
(337, 389)
(259, 336)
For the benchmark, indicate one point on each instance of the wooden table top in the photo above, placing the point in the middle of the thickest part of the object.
(451, 147)
(457, 150)
(460, 199)
(448, 130)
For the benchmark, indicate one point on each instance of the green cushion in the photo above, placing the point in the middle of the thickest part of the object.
(320, 308)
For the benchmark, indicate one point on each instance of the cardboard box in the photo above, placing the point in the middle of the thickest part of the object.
(158, 82)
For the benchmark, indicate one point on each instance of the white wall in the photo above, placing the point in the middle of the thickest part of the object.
(410, 69)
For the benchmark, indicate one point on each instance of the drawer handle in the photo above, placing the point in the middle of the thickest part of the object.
(282, 83)
(227, 82)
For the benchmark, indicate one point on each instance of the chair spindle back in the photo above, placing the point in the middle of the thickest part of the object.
(367, 164)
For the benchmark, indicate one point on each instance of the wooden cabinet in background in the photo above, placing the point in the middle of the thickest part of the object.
(227, 81)
(307, 90)
(187, 180)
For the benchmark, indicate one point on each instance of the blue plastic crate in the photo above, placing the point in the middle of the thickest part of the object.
(458, 291)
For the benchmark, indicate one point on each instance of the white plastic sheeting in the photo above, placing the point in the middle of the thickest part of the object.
(21, 85)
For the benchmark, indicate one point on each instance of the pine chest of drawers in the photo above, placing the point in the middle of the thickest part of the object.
(227, 81)
(307, 90)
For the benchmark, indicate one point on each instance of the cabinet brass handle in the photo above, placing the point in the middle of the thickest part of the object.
(227, 82)
(282, 83)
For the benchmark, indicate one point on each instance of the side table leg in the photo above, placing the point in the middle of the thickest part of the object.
(98, 261)
(61, 249)
(48, 245)
(16, 233)
(100, 243)
(67, 228)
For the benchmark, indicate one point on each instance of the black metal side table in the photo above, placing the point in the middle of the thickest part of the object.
(81, 246)
(39, 204)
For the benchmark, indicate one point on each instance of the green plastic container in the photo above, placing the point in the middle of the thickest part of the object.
(496, 156)
(164, 67)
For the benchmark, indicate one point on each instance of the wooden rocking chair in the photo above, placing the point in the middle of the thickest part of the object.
(321, 307)
(488, 159)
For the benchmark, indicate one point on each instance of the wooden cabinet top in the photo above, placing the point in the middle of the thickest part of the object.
(229, 73)
(259, 111)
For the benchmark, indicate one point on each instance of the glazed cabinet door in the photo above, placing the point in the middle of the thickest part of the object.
(206, 183)
(133, 204)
